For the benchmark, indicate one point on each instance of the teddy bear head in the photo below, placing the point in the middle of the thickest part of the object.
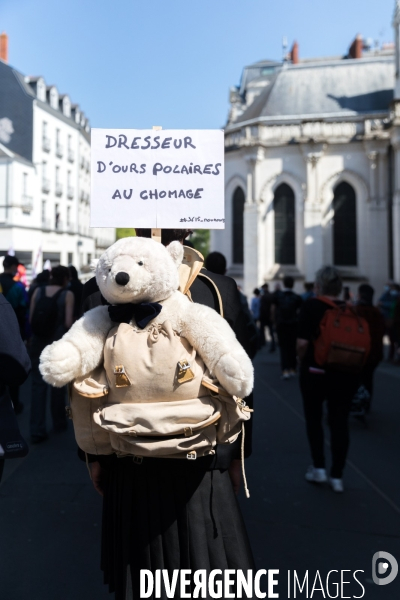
(137, 269)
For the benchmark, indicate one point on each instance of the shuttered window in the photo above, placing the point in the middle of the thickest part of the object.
(285, 221)
(237, 228)
(344, 226)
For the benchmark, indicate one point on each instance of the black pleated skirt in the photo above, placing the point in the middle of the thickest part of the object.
(168, 514)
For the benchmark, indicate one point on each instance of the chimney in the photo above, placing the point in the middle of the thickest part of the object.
(4, 47)
(356, 48)
(294, 54)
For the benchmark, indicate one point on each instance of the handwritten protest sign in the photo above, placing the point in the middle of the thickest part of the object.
(169, 178)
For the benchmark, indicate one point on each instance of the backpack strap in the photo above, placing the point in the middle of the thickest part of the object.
(221, 306)
(328, 301)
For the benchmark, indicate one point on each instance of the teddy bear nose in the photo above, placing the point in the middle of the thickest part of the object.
(122, 278)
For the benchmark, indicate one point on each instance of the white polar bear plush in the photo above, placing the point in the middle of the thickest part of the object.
(136, 270)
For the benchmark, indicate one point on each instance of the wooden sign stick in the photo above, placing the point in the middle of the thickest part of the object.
(156, 232)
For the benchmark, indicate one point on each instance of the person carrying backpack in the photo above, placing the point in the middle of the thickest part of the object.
(333, 345)
(15, 294)
(286, 306)
(51, 315)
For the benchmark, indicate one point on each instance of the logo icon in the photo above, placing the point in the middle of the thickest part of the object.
(384, 564)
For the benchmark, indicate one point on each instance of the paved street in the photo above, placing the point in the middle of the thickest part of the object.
(50, 516)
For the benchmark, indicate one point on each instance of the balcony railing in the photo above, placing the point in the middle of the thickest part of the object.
(59, 151)
(71, 155)
(45, 185)
(46, 224)
(71, 227)
(26, 203)
(46, 145)
(70, 192)
(59, 225)
(59, 189)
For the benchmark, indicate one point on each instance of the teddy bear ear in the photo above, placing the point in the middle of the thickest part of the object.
(175, 249)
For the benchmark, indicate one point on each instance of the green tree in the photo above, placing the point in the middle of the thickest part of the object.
(201, 241)
(123, 232)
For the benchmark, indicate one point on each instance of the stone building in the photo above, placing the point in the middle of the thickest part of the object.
(44, 174)
(313, 168)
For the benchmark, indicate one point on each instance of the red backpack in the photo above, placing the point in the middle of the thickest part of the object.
(344, 342)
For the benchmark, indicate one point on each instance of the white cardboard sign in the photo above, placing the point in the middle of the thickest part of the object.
(167, 178)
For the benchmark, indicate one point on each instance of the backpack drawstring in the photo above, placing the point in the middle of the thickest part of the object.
(246, 489)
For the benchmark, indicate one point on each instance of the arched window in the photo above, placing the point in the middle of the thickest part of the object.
(285, 221)
(344, 226)
(237, 228)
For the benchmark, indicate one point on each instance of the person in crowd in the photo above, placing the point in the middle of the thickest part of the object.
(51, 315)
(189, 509)
(14, 292)
(308, 291)
(286, 305)
(347, 294)
(40, 280)
(265, 317)
(318, 385)
(376, 323)
(387, 305)
(14, 360)
(255, 304)
(396, 330)
(215, 262)
(76, 287)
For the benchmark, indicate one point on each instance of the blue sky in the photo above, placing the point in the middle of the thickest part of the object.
(171, 62)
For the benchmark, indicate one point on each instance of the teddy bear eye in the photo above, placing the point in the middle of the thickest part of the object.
(140, 263)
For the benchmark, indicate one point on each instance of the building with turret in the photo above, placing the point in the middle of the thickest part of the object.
(313, 167)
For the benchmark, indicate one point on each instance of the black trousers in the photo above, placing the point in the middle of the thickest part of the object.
(39, 396)
(367, 377)
(287, 336)
(338, 390)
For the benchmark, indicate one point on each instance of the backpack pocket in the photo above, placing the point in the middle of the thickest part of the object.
(201, 443)
(86, 396)
(234, 412)
(159, 419)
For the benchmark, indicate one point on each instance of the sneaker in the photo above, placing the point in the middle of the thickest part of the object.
(336, 485)
(316, 475)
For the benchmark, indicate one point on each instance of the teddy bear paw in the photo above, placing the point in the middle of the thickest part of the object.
(60, 363)
(235, 374)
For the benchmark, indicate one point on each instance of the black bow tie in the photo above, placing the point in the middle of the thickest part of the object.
(143, 313)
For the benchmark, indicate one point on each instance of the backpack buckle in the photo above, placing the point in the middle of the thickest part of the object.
(68, 412)
(188, 431)
(138, 460)
(191, 455)
(185, 373)
(121, 378)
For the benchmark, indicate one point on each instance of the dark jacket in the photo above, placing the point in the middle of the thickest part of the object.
(376, 323)
(203, 292)
(14, 360)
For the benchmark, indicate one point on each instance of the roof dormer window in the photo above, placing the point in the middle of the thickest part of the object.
(41, 89)
(65, 105)
(53, 97)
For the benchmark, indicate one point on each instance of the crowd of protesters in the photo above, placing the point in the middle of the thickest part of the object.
(294, 323)
(287, 321)
(44, 312)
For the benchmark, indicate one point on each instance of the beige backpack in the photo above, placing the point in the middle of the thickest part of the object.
(153, 397)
